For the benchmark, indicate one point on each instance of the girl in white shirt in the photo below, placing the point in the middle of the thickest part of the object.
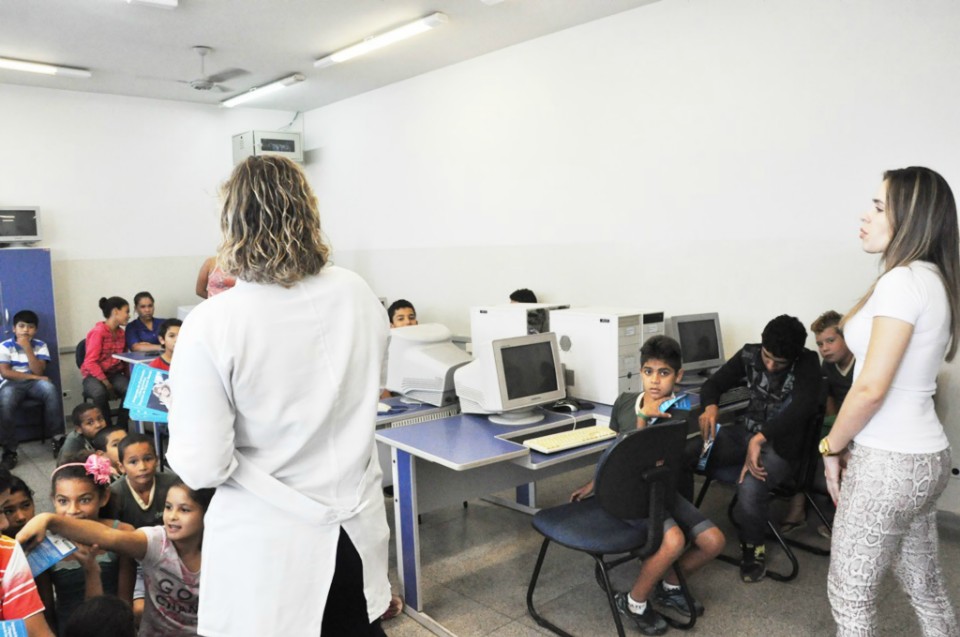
(170, 555)
(887, 434)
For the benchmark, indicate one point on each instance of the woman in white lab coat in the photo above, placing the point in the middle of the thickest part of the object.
(274, 398)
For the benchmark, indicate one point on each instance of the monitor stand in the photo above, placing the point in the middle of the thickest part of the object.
(529, 416)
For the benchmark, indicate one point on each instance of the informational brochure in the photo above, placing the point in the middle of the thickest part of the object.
(13, 628)
(53, 549)
(148, 394)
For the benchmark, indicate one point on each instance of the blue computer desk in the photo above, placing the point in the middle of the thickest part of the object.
(448, 461)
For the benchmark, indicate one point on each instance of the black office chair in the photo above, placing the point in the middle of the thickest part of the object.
(801, 482)
(636, 478)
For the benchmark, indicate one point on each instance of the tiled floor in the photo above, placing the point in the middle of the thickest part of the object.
(477, 563)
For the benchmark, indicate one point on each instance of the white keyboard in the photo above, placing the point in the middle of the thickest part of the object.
(564, 440)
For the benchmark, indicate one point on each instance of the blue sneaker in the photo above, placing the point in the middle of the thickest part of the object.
(674, 599)
(649, 621)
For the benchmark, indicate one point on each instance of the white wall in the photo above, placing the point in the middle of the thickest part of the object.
(127, 189)
(687, 156)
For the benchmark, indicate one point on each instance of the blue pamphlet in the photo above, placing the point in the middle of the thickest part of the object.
(13, 628)
(707, 448)
(148, 394)
(53, 549)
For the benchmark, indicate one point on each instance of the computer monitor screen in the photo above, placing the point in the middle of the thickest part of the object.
(528, 370)
(511, 377)
(19, 224)
(701, 343)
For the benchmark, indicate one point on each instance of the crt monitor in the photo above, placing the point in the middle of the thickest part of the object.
(510, 378)
(701, 343)
(19, 224)
(421, 360)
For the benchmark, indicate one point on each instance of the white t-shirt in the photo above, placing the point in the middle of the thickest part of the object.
(173, 591)
(906, 421)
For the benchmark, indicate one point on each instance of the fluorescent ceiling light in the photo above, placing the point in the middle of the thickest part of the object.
(378, 41)
(44, 69)
(160, 4)
(260, 91)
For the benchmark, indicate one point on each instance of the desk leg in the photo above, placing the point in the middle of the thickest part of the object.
(527, 495)
(407, 529)
(408, 540)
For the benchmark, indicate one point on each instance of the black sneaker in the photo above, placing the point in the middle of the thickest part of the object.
(9, 460)
(674, 599)
(753, 566)
(649, 621)
(56, 444)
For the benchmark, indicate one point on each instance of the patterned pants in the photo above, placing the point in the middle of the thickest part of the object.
(887, 516)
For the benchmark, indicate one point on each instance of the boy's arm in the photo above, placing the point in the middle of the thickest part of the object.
(731, 374)
(130, 543)
(8, 373)
(37, 365)
(37, 626)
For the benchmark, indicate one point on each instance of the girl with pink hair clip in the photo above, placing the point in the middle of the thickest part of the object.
(80, 487)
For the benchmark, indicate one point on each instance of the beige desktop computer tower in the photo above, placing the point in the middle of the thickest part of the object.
(600, 349)
(509, 320)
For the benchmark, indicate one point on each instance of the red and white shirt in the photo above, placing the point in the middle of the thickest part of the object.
(18, 593)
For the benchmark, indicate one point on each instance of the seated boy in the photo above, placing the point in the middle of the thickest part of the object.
(138, 497)
(18, 592)
(784, 382)
(401, 313)
(87, 421)
(837, 371)
(523, 295)
(167, 334)
(23, 362)
(107, 443)
(660, 369)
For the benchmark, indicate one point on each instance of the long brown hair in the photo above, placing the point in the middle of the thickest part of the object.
(270, 223)
(923, 217)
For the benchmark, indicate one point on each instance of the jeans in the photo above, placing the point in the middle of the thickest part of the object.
(97, 392)
(753, 495)
(14, 392)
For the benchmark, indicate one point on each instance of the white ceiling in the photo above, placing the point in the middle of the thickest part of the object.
(141, 51)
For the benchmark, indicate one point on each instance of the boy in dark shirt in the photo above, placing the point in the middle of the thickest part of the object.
(87, 420)
(138, 497)
(766, 445)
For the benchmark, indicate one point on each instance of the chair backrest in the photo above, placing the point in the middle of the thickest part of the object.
(638, 466)
(81, 352)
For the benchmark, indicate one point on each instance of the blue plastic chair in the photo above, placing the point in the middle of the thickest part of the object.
(635, 479)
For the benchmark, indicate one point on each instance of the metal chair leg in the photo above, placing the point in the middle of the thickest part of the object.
(533, 584)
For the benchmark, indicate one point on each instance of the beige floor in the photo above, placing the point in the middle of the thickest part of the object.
(477, 563)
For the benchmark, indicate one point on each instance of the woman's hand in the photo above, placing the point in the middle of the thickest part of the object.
(34, 531)
(833, 469)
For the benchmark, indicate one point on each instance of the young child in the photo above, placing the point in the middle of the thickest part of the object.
(19, 598)
(137, 498)
(660, 369)
(87, 421)
(23, 365)
(168, 339)
(19, 507)
(107, 443)
(101, 615)
(79, 490)
(402, 313)
(169, 554)
(105, 377)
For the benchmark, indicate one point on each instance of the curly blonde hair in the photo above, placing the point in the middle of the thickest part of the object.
(270, 223)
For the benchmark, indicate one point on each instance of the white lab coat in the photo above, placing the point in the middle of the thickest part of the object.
(274, 396)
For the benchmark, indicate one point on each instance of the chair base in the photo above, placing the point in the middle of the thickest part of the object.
(601, 571)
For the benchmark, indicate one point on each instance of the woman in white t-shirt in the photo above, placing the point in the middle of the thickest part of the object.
(888, 436)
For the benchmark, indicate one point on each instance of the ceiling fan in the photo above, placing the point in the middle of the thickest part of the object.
(211, 82)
